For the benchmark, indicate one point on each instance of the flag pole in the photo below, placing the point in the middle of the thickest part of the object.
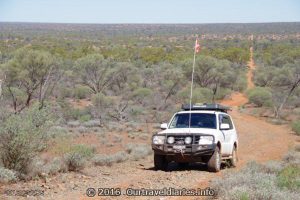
(192, 83)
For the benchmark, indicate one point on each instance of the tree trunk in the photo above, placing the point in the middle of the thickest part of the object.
(279, 108)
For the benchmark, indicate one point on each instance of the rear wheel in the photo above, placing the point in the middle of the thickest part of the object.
(233, 160)
(160, 162)
(214, 163)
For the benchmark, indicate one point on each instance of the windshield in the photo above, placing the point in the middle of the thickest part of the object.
(198, 120)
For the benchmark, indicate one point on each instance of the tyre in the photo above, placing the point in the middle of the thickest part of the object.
(160, 162)
(183, 165)
(205, 159)
(233, 160)
(214, 163)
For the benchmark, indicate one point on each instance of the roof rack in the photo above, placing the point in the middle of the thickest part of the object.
(206, 106)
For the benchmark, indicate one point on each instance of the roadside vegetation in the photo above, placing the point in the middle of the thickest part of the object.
(272, 180)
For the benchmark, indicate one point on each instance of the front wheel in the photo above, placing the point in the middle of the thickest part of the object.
(160, 162)
(214, 163)
(233, 160)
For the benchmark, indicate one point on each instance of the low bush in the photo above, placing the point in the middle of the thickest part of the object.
(200, 95)
(7, 176)
(260, 96)
(138, 151)
(55, 166)
(82, 129)
(289, 177)
(81, 92)
(75, 161)
(23, 136)
(85, 118)
(273, 180)
(91, 123)
(292, 157)
(108, 160)
(70, 113)
(73, 124)
(65, 92)
(77, 156)
(40, 167)
(222, 93)
(58, 131)
(296, 127)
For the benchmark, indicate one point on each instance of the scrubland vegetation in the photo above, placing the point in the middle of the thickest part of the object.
(78, 95)
(272, 180)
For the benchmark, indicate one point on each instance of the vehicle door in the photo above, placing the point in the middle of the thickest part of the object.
(228, 134)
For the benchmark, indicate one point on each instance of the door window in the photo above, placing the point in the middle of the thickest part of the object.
(225, 119)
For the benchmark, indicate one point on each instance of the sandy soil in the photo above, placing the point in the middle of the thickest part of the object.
(258, 141)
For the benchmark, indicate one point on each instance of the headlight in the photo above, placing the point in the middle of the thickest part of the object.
(171, 140)
(206, 140)
(188, 140)
(158, 139)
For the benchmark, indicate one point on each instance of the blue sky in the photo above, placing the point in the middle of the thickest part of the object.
(149, 11)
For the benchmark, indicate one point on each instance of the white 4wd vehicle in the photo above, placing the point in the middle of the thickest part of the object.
(203, 133)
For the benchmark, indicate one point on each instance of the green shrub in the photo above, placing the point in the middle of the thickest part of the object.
(292, 157)
(241, 84)
(55, 166)
(221, 93)
(84, 150)
(73, 124)
(58, 131)
(65, 92)
(142, 92)
(7, 176)
(108, 160)
(101, 106)
(136, 111)
(75, 161)
(23, 136)
(296, 127)
(40, 167)
(91, 123)
(19, 95)
(289, 177)
(77, 156)
(260, 96)
(70, 113)
(200, 95)
(272, 180)
(85, 118)
(76, 113)
(81, 92)
(141, 95)
(138, 151)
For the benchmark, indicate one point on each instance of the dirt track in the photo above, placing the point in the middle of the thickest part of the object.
(258, 141)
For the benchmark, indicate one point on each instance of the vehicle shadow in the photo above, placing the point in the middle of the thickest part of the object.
(183, 167)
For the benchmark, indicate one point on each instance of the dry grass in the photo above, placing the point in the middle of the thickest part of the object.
(273, 180)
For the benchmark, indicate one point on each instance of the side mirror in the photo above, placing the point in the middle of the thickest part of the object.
(164, 126)
(224, 127)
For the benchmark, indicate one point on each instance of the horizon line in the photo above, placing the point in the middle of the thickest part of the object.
(150, 23)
